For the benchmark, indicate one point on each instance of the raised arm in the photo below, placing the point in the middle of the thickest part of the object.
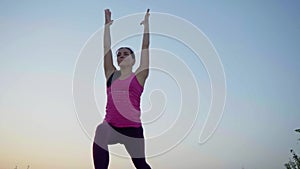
(143, 70)
(109, 68)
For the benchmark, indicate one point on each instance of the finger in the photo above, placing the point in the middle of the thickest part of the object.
(107, 11)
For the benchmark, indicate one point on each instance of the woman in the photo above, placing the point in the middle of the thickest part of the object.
(122, 122)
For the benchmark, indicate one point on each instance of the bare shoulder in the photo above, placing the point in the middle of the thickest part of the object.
(141, 77)
(109, 73)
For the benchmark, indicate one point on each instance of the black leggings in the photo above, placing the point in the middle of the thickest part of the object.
(131, 137)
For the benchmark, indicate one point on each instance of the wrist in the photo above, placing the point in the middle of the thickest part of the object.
(107, 25)
(146, 23)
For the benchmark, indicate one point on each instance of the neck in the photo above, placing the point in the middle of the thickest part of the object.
(126, 71)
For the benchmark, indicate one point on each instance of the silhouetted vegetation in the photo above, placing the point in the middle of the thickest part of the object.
(294, 162)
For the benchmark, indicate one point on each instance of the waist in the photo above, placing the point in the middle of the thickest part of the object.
(129, 118)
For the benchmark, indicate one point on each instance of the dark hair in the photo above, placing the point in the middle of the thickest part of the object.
(131, 51)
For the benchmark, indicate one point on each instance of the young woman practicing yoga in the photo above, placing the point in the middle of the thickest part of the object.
(122, 123)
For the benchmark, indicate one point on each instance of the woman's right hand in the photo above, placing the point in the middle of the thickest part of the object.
(108, 20)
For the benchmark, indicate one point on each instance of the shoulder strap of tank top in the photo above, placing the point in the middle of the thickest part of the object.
(112, 78)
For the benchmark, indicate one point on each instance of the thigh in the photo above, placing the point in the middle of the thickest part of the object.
(104, 135)
(134, 142)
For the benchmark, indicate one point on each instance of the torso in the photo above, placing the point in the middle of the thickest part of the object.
(123, 101)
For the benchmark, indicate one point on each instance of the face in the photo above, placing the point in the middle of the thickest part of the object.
(124, 58)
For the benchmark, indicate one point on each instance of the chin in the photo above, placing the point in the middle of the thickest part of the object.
(122, 64)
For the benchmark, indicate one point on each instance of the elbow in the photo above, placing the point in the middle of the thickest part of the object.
(106, 48)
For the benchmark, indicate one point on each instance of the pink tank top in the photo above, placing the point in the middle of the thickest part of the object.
(123, 102)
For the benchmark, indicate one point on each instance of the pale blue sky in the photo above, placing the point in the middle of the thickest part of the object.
(257, 41)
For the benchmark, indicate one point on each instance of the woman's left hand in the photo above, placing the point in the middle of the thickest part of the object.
(146, 18)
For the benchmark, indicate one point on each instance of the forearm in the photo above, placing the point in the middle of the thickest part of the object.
(146, 36)
(108, 61)
(145, 48)
(107, 38)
